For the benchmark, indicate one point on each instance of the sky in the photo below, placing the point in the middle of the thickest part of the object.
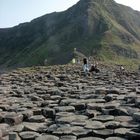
(13, 12)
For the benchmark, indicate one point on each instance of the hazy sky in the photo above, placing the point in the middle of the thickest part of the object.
(13, 12)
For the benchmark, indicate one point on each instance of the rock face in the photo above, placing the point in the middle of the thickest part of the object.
(59, 103)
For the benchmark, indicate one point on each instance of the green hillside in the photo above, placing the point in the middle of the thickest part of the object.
(100, 28)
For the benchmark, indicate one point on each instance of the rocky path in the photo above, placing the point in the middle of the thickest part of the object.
(60, 103)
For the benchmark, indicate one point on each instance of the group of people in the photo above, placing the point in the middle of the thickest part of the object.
(92, 68)
(88, 67)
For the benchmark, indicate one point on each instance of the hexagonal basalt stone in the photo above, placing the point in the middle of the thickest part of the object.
(63, 130)
(29, 105)
(95, 106)
(130, 124)
(72, 119)
(112, 124)
(80, 131)
(64, 114)
(18, 128)
(111, 105)
(102, 91)
(91, 138)
(68, 137)
(27, 114)
(35, 98)
(133, 110)
(47, 137)
(27, 135)
(68, 119)
(115, 138)
(92, 113)
(37, 127)
(37, 118)
(94, 125)
(52, 128)
(121, 131)
(48, 112)
(103, 133)
(64, 109)
(114, 91)
(67, 101)
(13, 118)
(123, 118)
(109, 97)
(78, 122)
(79, 106)
(104, 118)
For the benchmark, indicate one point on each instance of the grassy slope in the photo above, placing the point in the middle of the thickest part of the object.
(97, 30)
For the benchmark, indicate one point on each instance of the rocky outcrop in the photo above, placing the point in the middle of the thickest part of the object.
(61, 103)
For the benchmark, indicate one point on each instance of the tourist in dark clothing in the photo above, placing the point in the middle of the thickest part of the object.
(94, 68)
(85, 65)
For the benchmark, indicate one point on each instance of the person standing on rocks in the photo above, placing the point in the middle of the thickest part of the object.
(122, 69)
(85, 65)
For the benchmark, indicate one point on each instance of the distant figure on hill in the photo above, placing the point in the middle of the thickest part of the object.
(78, 61)
(45, 62)
(122, 69)
(85, 65)
(73, 61)
(78, 55)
